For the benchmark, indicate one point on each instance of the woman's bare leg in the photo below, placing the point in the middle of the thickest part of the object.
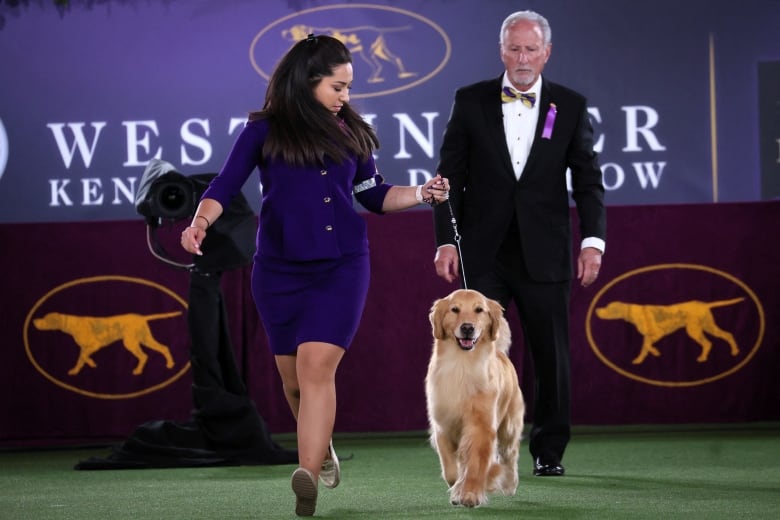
(309, 381)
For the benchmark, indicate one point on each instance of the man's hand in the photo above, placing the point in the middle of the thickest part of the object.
(588, 265)
(446, 262)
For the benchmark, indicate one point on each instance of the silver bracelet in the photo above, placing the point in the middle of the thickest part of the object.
(418, 194)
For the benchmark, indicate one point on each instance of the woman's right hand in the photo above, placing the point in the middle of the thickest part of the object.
(191, 239)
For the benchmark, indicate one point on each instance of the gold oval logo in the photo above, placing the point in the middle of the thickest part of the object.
(82, 337)
(675, 325)
(395, 51)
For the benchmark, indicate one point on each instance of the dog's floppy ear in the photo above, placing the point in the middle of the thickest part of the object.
(436, 315)
(496, 313)
(499, 327)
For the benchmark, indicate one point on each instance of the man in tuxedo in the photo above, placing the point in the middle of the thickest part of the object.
(506, 149)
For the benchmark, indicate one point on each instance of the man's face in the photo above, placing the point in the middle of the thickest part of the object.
(524, 53)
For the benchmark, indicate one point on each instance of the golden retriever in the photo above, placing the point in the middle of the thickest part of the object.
(475, 406)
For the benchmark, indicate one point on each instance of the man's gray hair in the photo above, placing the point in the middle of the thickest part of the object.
(532, 16)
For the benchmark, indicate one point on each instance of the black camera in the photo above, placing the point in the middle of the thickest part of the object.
(164, 193)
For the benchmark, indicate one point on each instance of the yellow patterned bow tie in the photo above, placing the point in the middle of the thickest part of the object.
(508, 95)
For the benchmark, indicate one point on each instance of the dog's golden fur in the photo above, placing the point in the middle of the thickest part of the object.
(475, 406)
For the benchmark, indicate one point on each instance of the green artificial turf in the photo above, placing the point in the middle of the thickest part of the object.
(707, 473)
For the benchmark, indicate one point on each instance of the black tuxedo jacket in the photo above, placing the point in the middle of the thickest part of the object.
(485, 195)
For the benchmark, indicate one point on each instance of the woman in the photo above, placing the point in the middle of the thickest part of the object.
(311, 268)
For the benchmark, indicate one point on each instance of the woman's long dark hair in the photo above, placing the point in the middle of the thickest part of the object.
(303, 131)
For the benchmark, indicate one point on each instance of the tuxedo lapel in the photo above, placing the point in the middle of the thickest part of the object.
(534, 154)
(494, 124)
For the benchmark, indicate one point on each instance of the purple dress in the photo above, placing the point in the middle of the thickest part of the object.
(311, 268)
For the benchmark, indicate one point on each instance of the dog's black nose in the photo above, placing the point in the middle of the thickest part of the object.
(467, 330)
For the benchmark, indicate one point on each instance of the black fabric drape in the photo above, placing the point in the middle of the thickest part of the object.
(226, 428)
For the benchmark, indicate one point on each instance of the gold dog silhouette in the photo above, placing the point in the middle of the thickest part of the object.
(93, 333)
(354, 38)
(656, 321)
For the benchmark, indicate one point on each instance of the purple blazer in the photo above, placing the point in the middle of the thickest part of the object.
(307, 213)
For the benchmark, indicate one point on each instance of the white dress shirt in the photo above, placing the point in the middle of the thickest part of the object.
(520, 126)
(519, 129)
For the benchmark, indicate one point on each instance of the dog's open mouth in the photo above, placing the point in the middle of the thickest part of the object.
(467, 343)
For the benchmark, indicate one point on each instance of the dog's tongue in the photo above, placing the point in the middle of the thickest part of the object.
(466, 343)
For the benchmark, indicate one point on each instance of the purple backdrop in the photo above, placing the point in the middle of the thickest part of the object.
(92, 92)
(702, 252)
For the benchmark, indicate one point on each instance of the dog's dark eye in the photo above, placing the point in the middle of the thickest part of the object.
(456, 310)
(479, 309)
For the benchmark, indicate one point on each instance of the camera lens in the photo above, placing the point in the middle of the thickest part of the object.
(172, 197)
(174, 200)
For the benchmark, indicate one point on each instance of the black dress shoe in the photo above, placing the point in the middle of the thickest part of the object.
(548, 468)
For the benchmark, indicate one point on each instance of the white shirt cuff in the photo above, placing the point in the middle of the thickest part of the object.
(594, 242)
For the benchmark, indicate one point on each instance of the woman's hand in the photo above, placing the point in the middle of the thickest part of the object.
(436, 190)
(191, 239)
(207, 212)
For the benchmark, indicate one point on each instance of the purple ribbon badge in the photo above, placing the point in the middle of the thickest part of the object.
(549, 121)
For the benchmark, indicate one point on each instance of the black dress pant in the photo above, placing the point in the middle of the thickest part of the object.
(543, 309)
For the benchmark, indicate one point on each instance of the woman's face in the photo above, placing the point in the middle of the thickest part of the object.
(333, 91)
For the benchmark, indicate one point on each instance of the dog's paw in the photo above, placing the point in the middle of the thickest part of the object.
(507, 484)
(456, 490)
(508, 489)
(502, 478)
(468, 498)
(472, 499)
